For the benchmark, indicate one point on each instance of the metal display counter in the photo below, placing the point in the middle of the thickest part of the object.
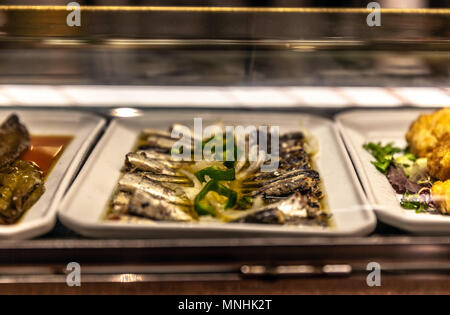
(120, 49)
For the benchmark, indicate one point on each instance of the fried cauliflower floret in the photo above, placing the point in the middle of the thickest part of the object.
(420, 137)
(438, 164)
(427, 131)
(440, 192)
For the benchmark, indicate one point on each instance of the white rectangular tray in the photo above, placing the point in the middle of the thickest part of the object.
(84, 128)
(359, 127)
(87, 199)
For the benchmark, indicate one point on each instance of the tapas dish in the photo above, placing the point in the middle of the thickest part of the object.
(419, 172)
(157, 186)
(24, 163)
(402, 159)
(40, 152)
(138, 183)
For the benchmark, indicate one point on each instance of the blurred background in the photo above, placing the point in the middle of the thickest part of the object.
(202, 43)
(246, 3)
(310, 55)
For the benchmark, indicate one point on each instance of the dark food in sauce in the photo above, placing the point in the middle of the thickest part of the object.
(25, 161)
(14, 140)
(21, 185)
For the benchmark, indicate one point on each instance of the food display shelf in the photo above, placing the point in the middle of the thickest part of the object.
(246, 51)
(172, 265)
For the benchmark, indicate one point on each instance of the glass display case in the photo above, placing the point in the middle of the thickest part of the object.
(233, 59)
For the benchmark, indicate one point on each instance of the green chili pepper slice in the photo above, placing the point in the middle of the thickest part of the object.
(214, 185)
(204, 209)
(215, 173)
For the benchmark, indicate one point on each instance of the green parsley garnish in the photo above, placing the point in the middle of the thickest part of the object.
(384, 155)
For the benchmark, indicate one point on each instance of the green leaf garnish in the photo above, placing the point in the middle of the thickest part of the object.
(412, 202)
(382, 154)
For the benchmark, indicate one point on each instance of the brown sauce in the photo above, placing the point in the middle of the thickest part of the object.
(46, 150)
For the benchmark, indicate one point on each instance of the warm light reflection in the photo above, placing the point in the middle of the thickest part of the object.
(129, 277)
(444, 11)
(125, 112)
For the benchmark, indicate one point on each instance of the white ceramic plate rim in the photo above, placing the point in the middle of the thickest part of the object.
(117, 229)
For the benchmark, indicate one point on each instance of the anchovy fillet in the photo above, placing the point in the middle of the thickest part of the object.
(182, 180)
(306, 183)
(290, 210)
(140, 161)
(121, 202)
(157, 186)
(144, 204)
(132, 182)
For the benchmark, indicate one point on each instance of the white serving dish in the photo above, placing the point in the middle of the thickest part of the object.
(359, 127)
(86, 201)
(84, 128)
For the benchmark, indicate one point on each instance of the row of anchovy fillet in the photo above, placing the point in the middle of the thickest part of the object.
(152, 185)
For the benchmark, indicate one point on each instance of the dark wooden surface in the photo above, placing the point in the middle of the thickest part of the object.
(409, 265)
(390, 284)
